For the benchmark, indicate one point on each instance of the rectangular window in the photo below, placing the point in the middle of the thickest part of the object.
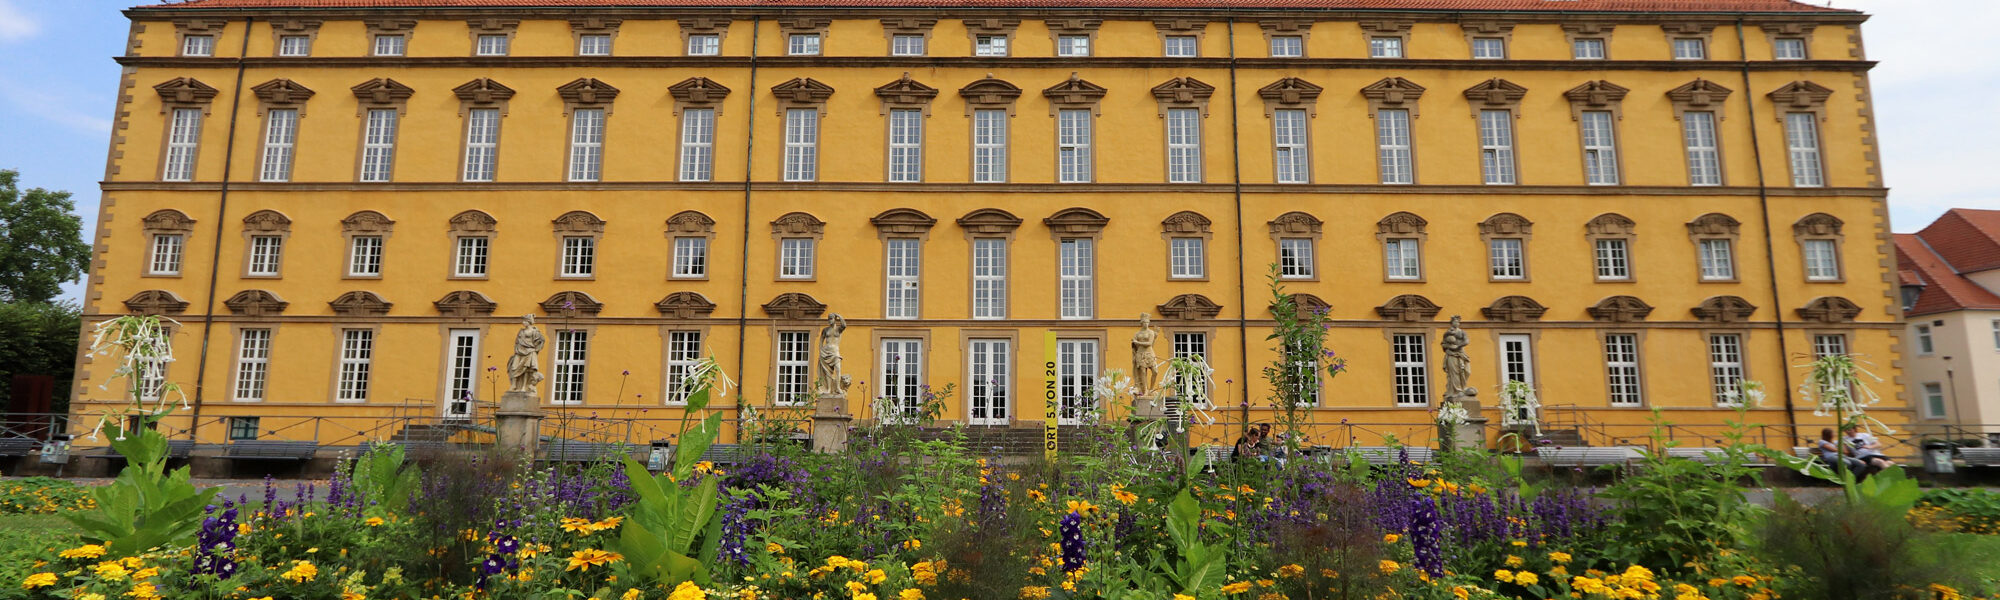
(1073, 145)
(1489, 48)
(989, 145)
(166, 259)
(690, 257)
(579, 256)
(593, 44)
(492, 45)
(471, 257)
(1076, 380)
(1704, 154)
(295, 45)
(1517, 358)
(1193, 345)
(1802, 138)
(697, 144)
(1506, 259)
(1829, 344)
(244, 428)
(989, 278)
(571, 356)
(1717, 264)
(266, 253)
(461, 374)
(1600, 148)
(1412, 368)
(1621, 368)
(1184, 145)
(710, 44)
(183, 136)
(1924, 345)
(904, 267)
(388, 45)
(1181, 46)
(152, 379)
(906, 45)
(1725, 368)
(1934, 405)
(1996, 334)
(378, 145)
(357, 358)
(364, 256)
(1078, 278)
(986, 385)
(1402, 258)
(1690, 49)
(803, 44)
(1587, 49)
(1613, 263)
(1392, 146)
(1385, 47)
(253, 364)
(801, 144)
(1822, 260)
(1496, 146)
(1073, 45)
(906, 144)
(990, 45)
(1188, 255)
(281, 130)
(482, 143)
(198, 45)
(1287, 46)
(683, 350)
(1288, 140)
(794, 368)
(795, 258)
(1788, 49)
(586, 144)
(901, 374)
(1295, 258)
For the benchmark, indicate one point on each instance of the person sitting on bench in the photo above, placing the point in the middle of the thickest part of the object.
(1865, 447)
(1830, 453)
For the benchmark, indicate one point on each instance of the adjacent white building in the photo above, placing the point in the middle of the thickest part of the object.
(1950, 280)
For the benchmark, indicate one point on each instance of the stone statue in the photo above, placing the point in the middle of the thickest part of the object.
(1145, 364)
(831, 381)
(1457, 366)
(524, 370)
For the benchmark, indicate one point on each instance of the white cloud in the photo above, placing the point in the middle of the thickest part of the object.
(15, 24)
(56, 106)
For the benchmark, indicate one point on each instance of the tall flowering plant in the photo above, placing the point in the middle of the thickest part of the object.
(1519, 407)
(674, 531)
(1302, 354)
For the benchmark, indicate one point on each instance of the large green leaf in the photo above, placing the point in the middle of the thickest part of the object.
(695, 442)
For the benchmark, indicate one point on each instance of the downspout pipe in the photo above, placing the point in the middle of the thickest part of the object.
(743, 252)
(1770, 250)
(1236, 190)
(215, 253)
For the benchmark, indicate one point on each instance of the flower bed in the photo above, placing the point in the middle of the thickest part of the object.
(42, 496)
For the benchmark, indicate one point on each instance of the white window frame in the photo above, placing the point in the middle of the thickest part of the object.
(690, 257)
(1926, 345)
(1077, 364)
(357, 361)
(900, 371)
(1187, 257)
(470, 256)
(1828, 344)
(1496, 147)
(166, 254)
(803, 44)
(253, 364)
(1996, 335)
(482, 145)
(1613, 257)
(797, 257)
(198, 45)
(1189, 345)
(989, 145)
(1600, 147)
(793, 365)
(1507, 258)
(378, 145)
(1517, 358)
(1072, 46)
(989, 278)
(1725, 368)
(1295, 258)
(267, 255)
(1410, 364)
(1075, 160)
(1394, 151)
(988, 381)
(293, 46)
(683, 351)
(1385, 46)
(570, 366)
(586, 144)
(364, 256)
(1704, 149)
(801, 144)
(1690, 49)
(1077, 278)
(1821, 258)
(281, 134)
(1403, 259)
(1489, 48)
(1291, 145)
(593, 44)
(579, 256)
(389, 44)
(1180, 46)
(1623, 381)
(697, 160)
(906, 145)
(704, 44)
(461, 373)
(1934, 400)
(183, 144)
(1588, 49)
(908, 44)
(1784, 49)
(1184, 155)
(1802, 143)
(902, 271)
(990, 45)
(1288, 46)
(1718, 259)
(490, 44)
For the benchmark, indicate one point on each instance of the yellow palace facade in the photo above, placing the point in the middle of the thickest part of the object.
(1633, 204)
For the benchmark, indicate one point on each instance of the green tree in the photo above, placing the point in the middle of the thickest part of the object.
(41, 242)
(39, 338)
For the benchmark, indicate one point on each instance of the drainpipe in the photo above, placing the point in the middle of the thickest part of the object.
(1236, 189)
(743, 254)
(1764, 208)
(215, 255)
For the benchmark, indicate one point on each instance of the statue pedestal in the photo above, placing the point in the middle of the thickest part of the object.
(1470, 434)
(830, 421)
(1153, 422)
(518, 423)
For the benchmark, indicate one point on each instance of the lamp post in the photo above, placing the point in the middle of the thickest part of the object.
(1951, 398)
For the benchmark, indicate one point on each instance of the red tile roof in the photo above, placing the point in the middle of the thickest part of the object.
(1708, 6)
(1944, 289)
(1967, 239)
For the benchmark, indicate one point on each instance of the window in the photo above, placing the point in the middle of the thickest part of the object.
(801, 144)
(1489, 48)
(1401, 256)
(1725, 368)
(1181, 46)
(1184, 145)
(378, 145)
(690, 257)
(1704, 154)
(243, 428)
(987, 380)
(697, 144)
(906, 144)
(266, 252)
(1287, 46)
(1829, 344)
(1295, 258)
(166, 259)
(803, 44)
(1506, 259)
(989, 45)
(492, 45)
(1288, 140)
(1934, 405)
(482, 143)
(904, 266)
(902, 379)
(572, 351)
(357, 356)
(1613, 261)
(182, 138)
(1188, 257)
(1621, 368)
(198, 45)
(1073, 156)
(1413, 373)
(1996, 334)
(794, 367)
(1078, 278)
(989, 145)
(1517, 358)
(1496, 146)
(1587, 49)
(593, 44)
(1309, 380)
(1822, 260)
(1788, 49)
(1690, 49)
(1392, 146)
(281, 128)
(795, 258)
(364, 256)
(471, 257)
(1385, 47)
(1600, 147)
(586, 144)
(906, 44)
(1193, 345)
(710, 44)
(152, 379)
(461, 373)
(683, 350)
(1073, 45)
(1924, 345)
(1716, 262)
(1802, 138)
(579, 256)
(1076, 380)
(253, 364)
(389, 45)
(294, 45)
(989, 278)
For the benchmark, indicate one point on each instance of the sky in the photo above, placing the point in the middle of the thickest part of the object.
(1934, 94)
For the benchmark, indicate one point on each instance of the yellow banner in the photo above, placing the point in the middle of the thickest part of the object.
(1051, 405)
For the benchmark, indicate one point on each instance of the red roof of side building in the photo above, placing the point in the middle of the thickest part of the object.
(1967, 239)
(1944, 290)
(1695, 6)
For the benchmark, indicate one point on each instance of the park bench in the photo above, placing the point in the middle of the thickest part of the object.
(580, 452)
(724, 454)
(18, 447)
(1709, 455)
(176, 450)
(1980, 457)
(270, 450)
(1585, 456)
(1389, 455)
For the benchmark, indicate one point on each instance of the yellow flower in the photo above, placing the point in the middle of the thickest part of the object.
(1082, 508)
(1124, 497)
(111, 570)
(97, 596)
(1236, 588)
(1526, 578)
(39, 580)
(1743, 580)
(913, 544)
(591, 557)
(1034, 593)
(910, 594)
(1514, 561)
(301, 571)
(607, 523)
(632, 594)
(1944, 592)
(855, 587)
(1559, 571)
(1183, 597)
(88, 551)
(876, 577)
(864, 596)
(1389, 566)
(1390, 538)
(1518, 544)
(1290, 571)
(1504, 575)
(1460, 593)
(1419, 483)
(687, 591)
(1037, 496)
(774, 548)
(577, 525)
(1561, 558)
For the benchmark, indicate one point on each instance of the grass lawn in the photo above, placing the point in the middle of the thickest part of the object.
(1981, 552)
(34, 532)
